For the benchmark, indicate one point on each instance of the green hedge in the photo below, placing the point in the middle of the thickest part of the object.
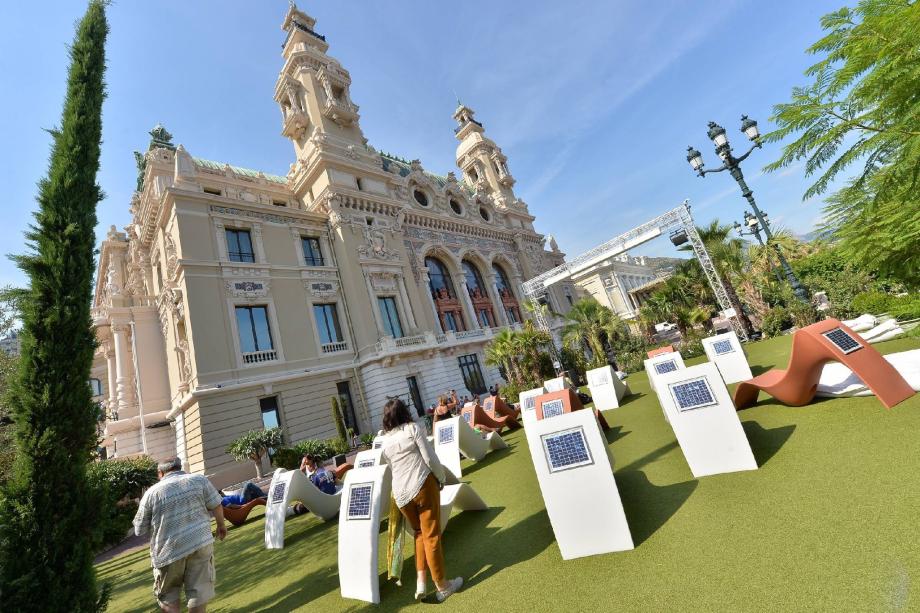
(120, 483)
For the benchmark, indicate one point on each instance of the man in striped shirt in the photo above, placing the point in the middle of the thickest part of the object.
(176, 513)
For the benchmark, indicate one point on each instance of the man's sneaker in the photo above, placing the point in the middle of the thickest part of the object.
(452, 586)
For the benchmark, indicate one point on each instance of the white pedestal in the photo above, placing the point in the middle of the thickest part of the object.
(725, 351)
(287, 487)
(606, 388)
(527, 400)
(365, 500)
(659, 365)
(704, 421)
(575, 472)
(368, 458)
(558, 384)
(453, 436)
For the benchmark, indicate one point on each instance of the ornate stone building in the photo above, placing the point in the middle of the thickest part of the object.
(618, 283)
(237, 299)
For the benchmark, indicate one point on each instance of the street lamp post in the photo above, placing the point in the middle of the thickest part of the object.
(732, 164)
(753, 226)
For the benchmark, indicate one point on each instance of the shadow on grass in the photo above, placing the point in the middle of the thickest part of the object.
(765, 442)
(469, 537)
(647, 458)
(758, 370)
(491, 458)
(615, 433)
(635, 396)
(648, 506)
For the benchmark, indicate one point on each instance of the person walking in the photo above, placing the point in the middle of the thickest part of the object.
(417, 479)
(176, 513)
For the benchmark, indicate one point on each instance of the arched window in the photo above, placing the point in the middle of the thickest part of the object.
(420, 197)
(473, 278)
(446, 304)
(482, 303)
(455, 207)
(439, 278)
(509, 302)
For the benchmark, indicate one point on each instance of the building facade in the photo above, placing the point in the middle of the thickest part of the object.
(237, 300)
(618, 283)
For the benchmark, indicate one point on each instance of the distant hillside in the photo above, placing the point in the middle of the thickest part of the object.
(663, 265)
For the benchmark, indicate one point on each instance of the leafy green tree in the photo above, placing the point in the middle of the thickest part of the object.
(590, 324)
(253, 445)
(727, 253)
(862, 110)
(339, 420)
(48, 509)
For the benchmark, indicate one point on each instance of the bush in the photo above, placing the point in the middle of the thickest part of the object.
(874, 303)
(775, 321)
(317, 448)
(338, 446)
(287, 458)
(692, 345)
(118, 483)
(338, 420)
(254, 444)
(906, 307)
(367, 439)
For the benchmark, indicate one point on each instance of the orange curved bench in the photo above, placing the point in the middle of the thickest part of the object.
(814, 346)
(666, 349)
(482, 420)
(340, 471)
(497, 408)
(570, 402)
(236, 514)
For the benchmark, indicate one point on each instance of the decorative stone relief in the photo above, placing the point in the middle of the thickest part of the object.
(268, 217)
(172, 258)
(383, 281)
(113, 280)
(184, 354)
(374, 246)
(322, 289)
(249, 290)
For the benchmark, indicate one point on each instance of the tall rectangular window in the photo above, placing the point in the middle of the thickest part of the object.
(239, 246)
(472, 375)
(327, 322)
(390, 316)
(255, 334)
(512, 315)
(270, 416)
(483, 316)
(312, 255)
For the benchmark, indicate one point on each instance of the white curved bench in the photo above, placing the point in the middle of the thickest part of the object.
(288, 486)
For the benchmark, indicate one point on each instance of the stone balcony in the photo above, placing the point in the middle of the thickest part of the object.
(389, 346)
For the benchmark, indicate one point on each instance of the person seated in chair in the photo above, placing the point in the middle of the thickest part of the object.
(441, 411)
(318, 475)
(250, 492)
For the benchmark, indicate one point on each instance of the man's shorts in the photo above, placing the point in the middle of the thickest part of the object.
(195, 572)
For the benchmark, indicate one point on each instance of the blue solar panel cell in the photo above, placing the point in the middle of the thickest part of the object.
(566, 449)
(359, 500)
(692, 394)
(841, 340)
(366, 463)
(665, 367)
(278, 492)
(552, 408)
(446, 435)
(723, 346)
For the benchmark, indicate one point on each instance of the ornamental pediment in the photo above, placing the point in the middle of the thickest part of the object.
(249, 288)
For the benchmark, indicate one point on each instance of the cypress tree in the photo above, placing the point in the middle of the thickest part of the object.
(47, 511)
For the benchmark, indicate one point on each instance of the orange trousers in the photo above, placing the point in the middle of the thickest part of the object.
(424, 515)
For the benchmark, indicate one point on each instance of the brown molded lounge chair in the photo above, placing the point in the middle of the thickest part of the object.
(341, 470)
(497, 408)
(666, 349)
(480, 419)
(570, 402)
(236, 514)
(812, 347)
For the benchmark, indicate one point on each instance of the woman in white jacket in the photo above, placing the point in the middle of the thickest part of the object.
(417, 481)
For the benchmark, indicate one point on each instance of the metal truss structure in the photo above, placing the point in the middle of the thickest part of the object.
(677, 218)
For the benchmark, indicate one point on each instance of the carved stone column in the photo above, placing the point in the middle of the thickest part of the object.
(221, 236)
(122, 365)
(410, 315)
(375, 307)
(468, 305)
(112, 401)
(425, 285)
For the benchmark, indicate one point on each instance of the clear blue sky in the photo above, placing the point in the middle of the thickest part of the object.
(594, 103)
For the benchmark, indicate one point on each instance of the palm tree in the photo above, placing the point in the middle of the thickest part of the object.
(589, 323)
(727, 255)
(502, 352)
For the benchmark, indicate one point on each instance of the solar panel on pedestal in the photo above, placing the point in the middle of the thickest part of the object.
(359, 500)
(692, 394)
(723, 346)
(530, 402)
(600, 378)
(446, 435)
(665, 367)
(841, 340)
(566, 449)
(552, 408)
(278, 492)
(467, 417)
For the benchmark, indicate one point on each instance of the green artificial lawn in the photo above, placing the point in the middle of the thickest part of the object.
(828, 522)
